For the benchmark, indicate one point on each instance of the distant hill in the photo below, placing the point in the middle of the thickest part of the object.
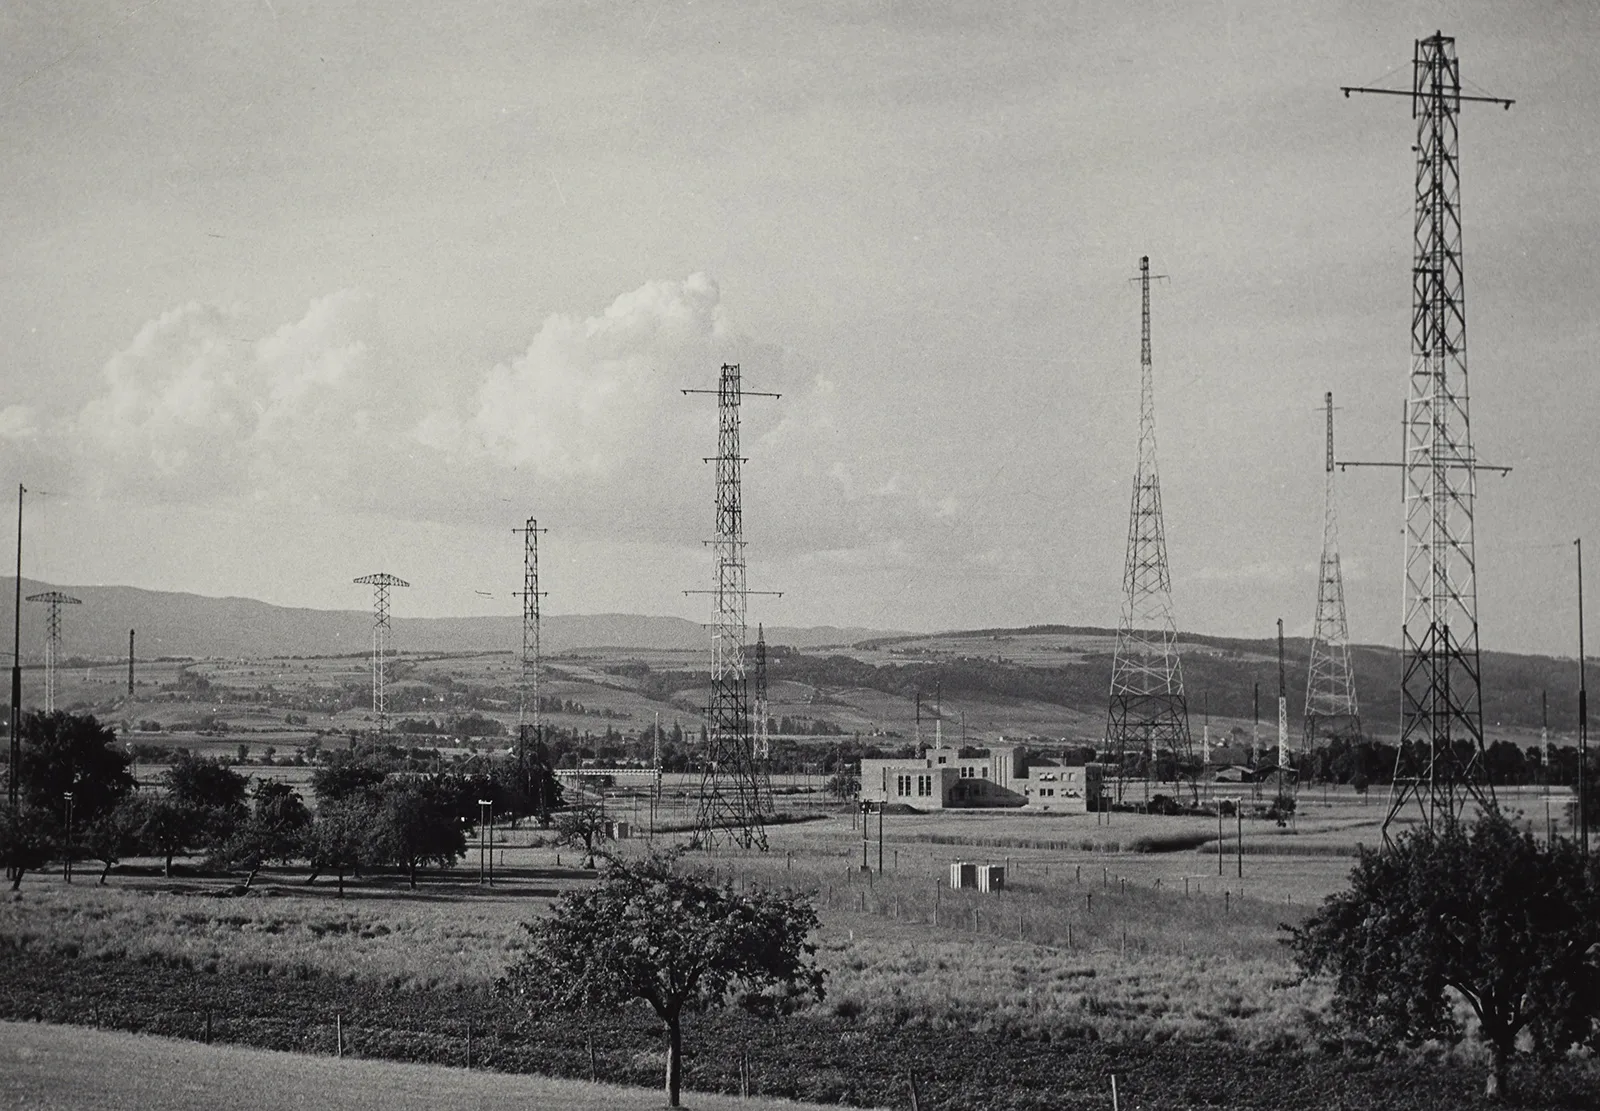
(178, 624)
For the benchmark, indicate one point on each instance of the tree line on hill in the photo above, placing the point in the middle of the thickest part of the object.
(375, 811)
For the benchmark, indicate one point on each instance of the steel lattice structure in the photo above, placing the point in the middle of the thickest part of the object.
(54, 600)
(380, 583)
(1439, 764)
(1332, 711)
(1148, 714)
(532, 655)
(730, 787)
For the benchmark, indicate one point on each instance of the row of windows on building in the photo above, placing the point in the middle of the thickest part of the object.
(903, 785)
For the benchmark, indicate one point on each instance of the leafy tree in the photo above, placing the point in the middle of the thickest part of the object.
(843, 786)
(208, 785)
(64, 752)
(344, 775)
(417, 825)
(29, 839)
(337, 839)
(1484, 913)
(111, 837)
(275, 830)
(652, 932)
(170, 826)
(584, 826)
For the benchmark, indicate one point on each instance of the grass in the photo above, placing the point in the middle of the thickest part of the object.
(52, 1067)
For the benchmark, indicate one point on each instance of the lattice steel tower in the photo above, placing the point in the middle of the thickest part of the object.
(529, 712)
(380, 583)
(1148, 714)
(1331, 708)
(53, 599)
(1441, 700)
(730, 794)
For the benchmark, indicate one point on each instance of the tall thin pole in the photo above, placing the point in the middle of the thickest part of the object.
(1583, 718)
(13, 784)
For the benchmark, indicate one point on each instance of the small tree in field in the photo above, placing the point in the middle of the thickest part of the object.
(29, 839)
(583, 827)
(649, 931)
(1483, 912)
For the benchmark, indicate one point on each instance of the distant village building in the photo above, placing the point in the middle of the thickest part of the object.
(943, 779)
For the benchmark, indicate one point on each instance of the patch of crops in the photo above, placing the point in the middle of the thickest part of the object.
(831, 1059)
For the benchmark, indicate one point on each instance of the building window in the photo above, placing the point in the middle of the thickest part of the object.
(902, 785)
(941, 759)
(985, 772)
(924, 786)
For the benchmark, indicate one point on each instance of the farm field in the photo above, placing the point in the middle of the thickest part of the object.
(62, 1067)
(1142, 963)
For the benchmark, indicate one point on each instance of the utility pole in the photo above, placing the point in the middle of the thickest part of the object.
(762, 736)
(1283, 710)
(729, 788)
(1583, 719)
(130, 663)
(380, 582)
(1441, 680)
(1148, 713)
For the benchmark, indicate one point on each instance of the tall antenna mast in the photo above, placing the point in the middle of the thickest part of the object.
(380, 583)
(54, 599)
(1331, 710)
(730, 799)
(1441, 683)
(13, 769)
(1148, 713)
(1283, 706)
(532, 655)
(130, 663)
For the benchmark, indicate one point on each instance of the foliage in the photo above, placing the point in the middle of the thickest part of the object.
(417, 825)
(275, 830)
(652, 932)
(207, 784)
(843, 786)
(30, 836)
(113, 836)
(169, 826)
(337, 839)
(1486, 913)
(64, 752)
(347, 774)
(584, 826)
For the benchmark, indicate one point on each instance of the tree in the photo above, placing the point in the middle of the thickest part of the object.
(417, 825)
(649, 931)
(29, 838)
(170, 826)
(113, 836)
(346, 774)
(1484, 913)
(214, 793)
(583, 827)
(337, 839)
(275, 830)
(64, 752)
(843, 786)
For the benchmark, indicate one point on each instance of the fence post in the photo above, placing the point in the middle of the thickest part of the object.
(916, 1096)
(338, 1033)
(208, 1025)
(469, 1042)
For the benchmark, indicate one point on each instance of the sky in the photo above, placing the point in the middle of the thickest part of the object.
(297, 292)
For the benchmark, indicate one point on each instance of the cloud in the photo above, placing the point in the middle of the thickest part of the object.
(190, 410)
(587, 427)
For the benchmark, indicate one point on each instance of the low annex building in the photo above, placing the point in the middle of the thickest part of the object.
(943, 779)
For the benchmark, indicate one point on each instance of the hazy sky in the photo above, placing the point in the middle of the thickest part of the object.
(294, 292)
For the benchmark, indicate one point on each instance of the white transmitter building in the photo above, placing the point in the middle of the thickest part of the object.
(942, 779)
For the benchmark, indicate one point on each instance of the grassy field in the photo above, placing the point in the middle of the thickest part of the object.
(50, 1067)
